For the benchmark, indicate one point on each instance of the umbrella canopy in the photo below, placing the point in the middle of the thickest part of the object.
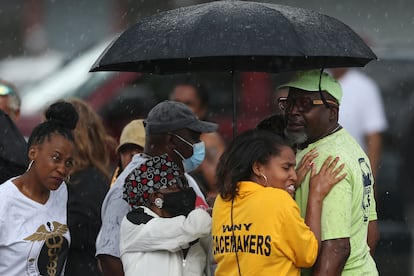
(235, 36)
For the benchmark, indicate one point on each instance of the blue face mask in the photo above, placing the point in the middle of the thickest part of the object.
(192, 163)
(199, 152)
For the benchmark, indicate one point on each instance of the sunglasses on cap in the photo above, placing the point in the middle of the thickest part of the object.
(303, 104)
(5, 90)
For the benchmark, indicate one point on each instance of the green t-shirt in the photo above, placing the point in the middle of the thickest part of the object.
(350, 205)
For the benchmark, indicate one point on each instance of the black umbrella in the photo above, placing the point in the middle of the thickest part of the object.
(235, 36)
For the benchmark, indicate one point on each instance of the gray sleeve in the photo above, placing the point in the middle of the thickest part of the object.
(114, 208)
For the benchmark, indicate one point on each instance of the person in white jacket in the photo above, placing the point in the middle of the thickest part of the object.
(161, 235)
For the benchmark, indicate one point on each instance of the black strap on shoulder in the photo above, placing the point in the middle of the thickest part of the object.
(138, 216)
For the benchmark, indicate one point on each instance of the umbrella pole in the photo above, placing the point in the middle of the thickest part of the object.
(234, 94)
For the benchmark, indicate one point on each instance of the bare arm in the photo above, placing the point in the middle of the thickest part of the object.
(333, 254)
(110, 265)
(374, 148)
(373, 236)
(332, 257)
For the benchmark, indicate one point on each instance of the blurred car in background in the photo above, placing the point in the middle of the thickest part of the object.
(117, 97)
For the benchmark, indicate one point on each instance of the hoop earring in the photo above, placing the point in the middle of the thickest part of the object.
(67, 179)
(158, 202)
(30, 165)
(265, 178)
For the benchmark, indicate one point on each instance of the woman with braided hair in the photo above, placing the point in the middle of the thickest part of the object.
(34, 237)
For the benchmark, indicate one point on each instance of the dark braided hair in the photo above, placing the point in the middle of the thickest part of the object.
(61, 117)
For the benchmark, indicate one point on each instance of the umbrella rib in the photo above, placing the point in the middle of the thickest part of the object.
(300, 49)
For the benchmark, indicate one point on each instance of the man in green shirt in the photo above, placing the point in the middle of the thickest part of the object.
(348, 225)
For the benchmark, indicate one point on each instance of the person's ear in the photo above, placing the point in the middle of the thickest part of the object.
(17, 114)
(257, 168)
(333, 113)
(157, 200)
(32, 153)
(203, 112)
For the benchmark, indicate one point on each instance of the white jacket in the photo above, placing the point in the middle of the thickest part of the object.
(154, 248)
